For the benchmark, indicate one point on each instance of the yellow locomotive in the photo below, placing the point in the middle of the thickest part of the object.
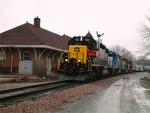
(86, 58)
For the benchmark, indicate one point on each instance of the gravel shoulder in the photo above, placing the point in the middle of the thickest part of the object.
(85, 104)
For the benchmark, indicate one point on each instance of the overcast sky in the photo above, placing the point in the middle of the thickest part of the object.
(118, 19)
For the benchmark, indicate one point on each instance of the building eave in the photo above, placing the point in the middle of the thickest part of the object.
(34, 46)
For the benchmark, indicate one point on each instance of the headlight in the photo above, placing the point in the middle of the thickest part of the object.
(66, 60)
(81, 38)
(79, 60)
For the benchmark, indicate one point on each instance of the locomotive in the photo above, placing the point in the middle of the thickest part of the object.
(88, 58)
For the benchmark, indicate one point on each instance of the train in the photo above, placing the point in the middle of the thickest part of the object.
(88, 59)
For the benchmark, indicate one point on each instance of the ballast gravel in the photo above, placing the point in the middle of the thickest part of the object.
(6, 86)
(50, 102)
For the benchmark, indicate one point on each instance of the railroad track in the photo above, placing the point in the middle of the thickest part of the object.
(11, 96)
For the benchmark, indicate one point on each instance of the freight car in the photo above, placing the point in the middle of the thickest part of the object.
(146, 68)
(139, 68)
(88, 58)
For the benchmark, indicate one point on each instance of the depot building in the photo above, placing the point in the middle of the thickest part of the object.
(30, 49)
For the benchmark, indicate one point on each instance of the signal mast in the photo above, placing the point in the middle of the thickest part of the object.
(99, 40)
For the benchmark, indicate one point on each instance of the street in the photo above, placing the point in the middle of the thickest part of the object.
(130, 94)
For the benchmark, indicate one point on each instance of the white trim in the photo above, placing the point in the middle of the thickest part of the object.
(35, 46)
(41, 53)
(54, 55)
(1, 55)
(35, 53)
(19, 52)
(4, 53)
(49, 53)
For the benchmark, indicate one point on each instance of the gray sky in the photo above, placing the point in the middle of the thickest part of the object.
(118, 19)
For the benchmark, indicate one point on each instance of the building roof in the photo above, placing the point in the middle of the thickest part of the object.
(28, 35)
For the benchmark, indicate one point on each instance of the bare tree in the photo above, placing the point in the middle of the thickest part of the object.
(144, 31)
(122, 51)
(118, 49)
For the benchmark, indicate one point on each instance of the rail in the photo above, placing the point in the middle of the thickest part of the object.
(6, 96)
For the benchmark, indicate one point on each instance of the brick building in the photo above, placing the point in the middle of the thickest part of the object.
(30, 49)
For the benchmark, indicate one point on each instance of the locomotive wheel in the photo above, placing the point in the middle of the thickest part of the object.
(109, 72)
(112, 72)
(91, 74)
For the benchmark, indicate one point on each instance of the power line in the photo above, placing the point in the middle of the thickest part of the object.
(120, 40)
(135, 51)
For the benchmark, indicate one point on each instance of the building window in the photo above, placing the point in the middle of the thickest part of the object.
(1, 55)
(26, 55)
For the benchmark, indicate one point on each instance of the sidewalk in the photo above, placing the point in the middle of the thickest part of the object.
(26, 78)
(10, 78)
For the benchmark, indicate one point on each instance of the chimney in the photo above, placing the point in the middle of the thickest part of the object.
(37, 22)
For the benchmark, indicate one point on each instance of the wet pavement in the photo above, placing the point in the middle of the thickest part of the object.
(130, 94)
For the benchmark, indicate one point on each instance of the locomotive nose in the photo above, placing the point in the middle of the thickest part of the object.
(72, 60)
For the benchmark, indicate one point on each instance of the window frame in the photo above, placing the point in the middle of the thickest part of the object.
(26, 55)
